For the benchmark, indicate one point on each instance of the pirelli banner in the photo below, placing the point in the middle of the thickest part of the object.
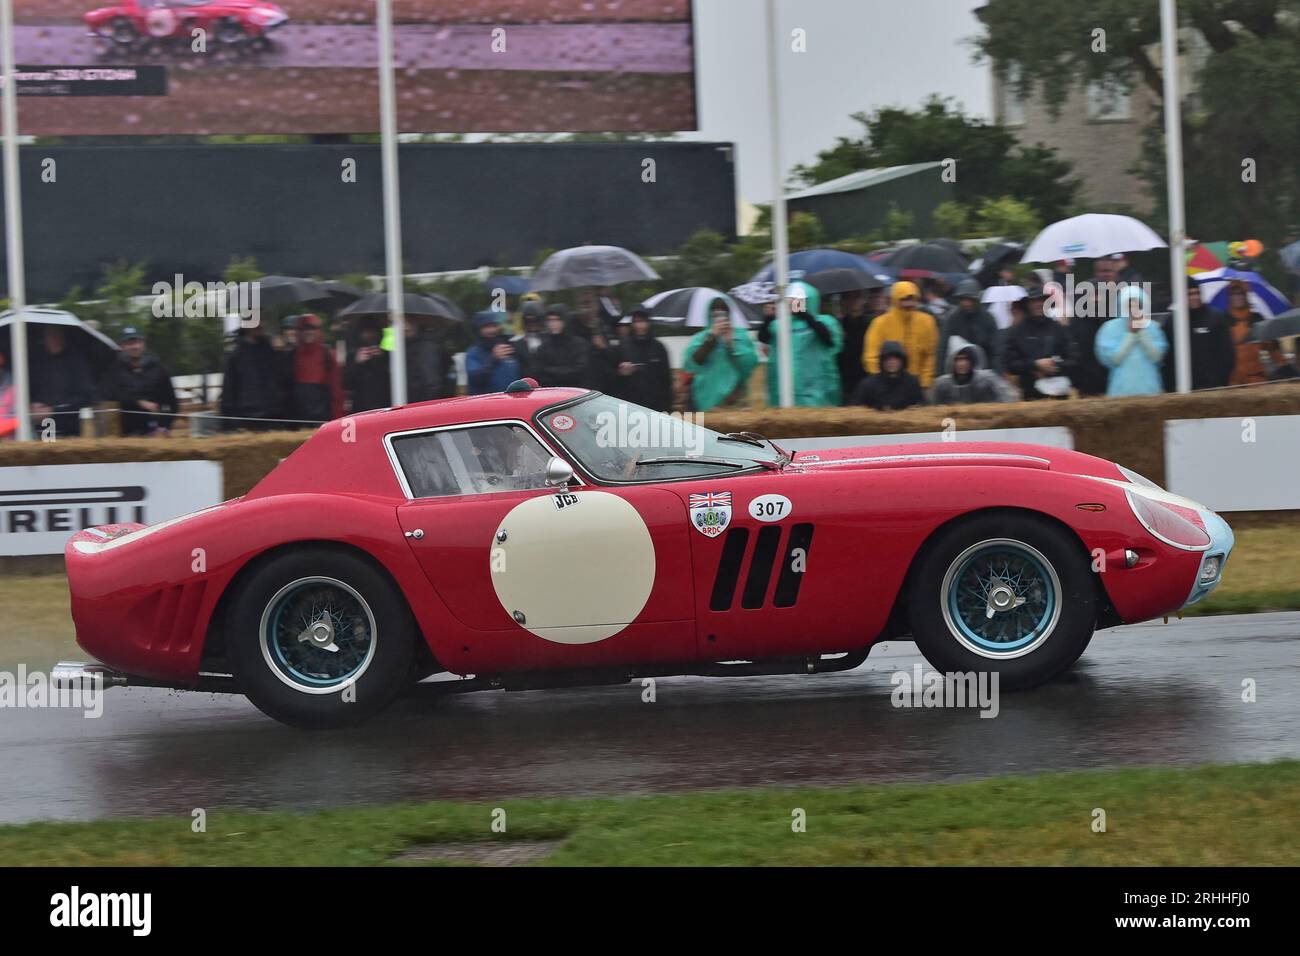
(41, 506)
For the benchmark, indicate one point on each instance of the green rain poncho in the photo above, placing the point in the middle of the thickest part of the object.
(816, 371)
(723, 370)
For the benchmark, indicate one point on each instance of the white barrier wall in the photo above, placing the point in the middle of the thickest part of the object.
(42, 506)
(1235, 464)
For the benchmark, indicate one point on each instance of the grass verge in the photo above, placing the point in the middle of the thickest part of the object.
(1212, 816)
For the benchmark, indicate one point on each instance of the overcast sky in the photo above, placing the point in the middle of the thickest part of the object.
(862, 54)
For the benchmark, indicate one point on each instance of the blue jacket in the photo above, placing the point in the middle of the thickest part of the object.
(486, 372)
(1133, 357)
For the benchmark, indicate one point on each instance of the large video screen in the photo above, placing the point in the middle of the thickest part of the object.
(154, 67)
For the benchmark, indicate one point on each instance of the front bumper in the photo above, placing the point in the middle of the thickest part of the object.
(1210, 571)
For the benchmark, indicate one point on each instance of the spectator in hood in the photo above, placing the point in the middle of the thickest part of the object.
(815, 341)
(367, 373)
(967, 320)
(61, 382)
(253, 388)
(1132, 347)
(8, 419)
(1255, 360)
(720, 360)
(1213, 352)
(854, 323)
(967, 380)
(1040, 352)
(561, 358)
(317, 378)
(907, 323)
(645, 373)
(141, 387)
(490, 363)
(893, 387)
(527, 342)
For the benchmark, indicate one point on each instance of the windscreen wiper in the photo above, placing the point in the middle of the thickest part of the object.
(744, 438)
(691, 460)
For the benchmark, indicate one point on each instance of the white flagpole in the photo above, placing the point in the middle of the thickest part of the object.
(392, 200)
(14, 227)
(780, 239)
(1177, 213)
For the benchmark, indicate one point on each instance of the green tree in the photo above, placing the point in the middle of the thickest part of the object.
(897, 224)
(990, 162)
(805, 232)
(1245, 106)
(1008, 218)
(951, 219)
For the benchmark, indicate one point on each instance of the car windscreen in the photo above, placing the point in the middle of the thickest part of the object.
(614, 440)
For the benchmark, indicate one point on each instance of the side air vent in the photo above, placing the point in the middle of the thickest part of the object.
(760, 568)
(793, 566)
(733, 555)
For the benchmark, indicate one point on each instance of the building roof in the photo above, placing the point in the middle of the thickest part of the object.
(862, 179)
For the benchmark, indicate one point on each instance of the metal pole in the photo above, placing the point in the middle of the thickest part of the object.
(14, 226)
(1177, 215)
(780, 239)
(392, 200)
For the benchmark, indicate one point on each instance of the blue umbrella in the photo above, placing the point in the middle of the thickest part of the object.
(809, 261)
(510, 285)
(1291, 257)
(1264, 299)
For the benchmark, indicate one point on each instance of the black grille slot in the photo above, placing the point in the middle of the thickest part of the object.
(733, 554)
(787, 584)
(760, 567)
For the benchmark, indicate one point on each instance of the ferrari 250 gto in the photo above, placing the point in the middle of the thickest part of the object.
(129, 23)
(553, 536)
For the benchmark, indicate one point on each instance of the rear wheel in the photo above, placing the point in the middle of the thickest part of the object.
(320, 638)
(1006, 593)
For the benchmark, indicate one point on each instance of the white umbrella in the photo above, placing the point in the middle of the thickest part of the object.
(689, 307)
(590, 267)
(1091, 236)
(1003, 293)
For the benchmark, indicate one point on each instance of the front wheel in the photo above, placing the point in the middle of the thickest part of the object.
(1012, 594)
(320, 638)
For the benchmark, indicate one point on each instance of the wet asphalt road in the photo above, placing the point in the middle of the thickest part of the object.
(1142, 695)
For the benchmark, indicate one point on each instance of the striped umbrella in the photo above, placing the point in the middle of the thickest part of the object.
(1264, 299)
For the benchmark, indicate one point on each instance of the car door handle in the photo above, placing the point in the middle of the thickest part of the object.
(417, 534)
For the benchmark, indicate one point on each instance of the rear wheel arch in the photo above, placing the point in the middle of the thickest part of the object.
(214, 648)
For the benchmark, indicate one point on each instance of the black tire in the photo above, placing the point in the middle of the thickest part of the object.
(1053, 641)
(230, 32)
(382, 637)
(124, 33)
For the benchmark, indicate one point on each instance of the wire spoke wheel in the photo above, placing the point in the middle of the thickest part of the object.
(318, 634)
(1001, 598)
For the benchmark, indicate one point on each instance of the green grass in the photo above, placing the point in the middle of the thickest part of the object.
(1213, 816)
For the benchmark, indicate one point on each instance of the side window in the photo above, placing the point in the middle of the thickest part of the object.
(471, 461)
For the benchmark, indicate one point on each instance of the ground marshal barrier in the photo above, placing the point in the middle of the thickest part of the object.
(1234, 449)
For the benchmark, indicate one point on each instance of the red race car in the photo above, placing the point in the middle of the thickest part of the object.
(543, 537)
(132, 22)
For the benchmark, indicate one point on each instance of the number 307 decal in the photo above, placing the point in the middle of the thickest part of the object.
(769, 508)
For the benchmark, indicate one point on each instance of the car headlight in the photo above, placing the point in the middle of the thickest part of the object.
(1211, 568)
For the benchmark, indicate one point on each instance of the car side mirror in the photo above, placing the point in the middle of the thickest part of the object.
(558, 472)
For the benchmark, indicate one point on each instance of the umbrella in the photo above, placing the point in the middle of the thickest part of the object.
(835, 281)
(510, 285)
(1091, 236)
(1264, 299)
(275, 291)
(926, 257)
(1207, 256)
(810, 261)
(97, 346)
(342, 293)
(1278, 327)
(1003, 293)
(590, 266)
(953, 246)
(986, 268)
(423, 308)
(689, 307)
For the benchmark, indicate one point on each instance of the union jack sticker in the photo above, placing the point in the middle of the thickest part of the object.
(710, 512)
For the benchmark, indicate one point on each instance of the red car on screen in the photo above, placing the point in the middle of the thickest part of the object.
(556, 536)
(227, 21)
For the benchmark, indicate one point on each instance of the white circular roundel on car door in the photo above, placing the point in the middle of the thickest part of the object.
(573, 567)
